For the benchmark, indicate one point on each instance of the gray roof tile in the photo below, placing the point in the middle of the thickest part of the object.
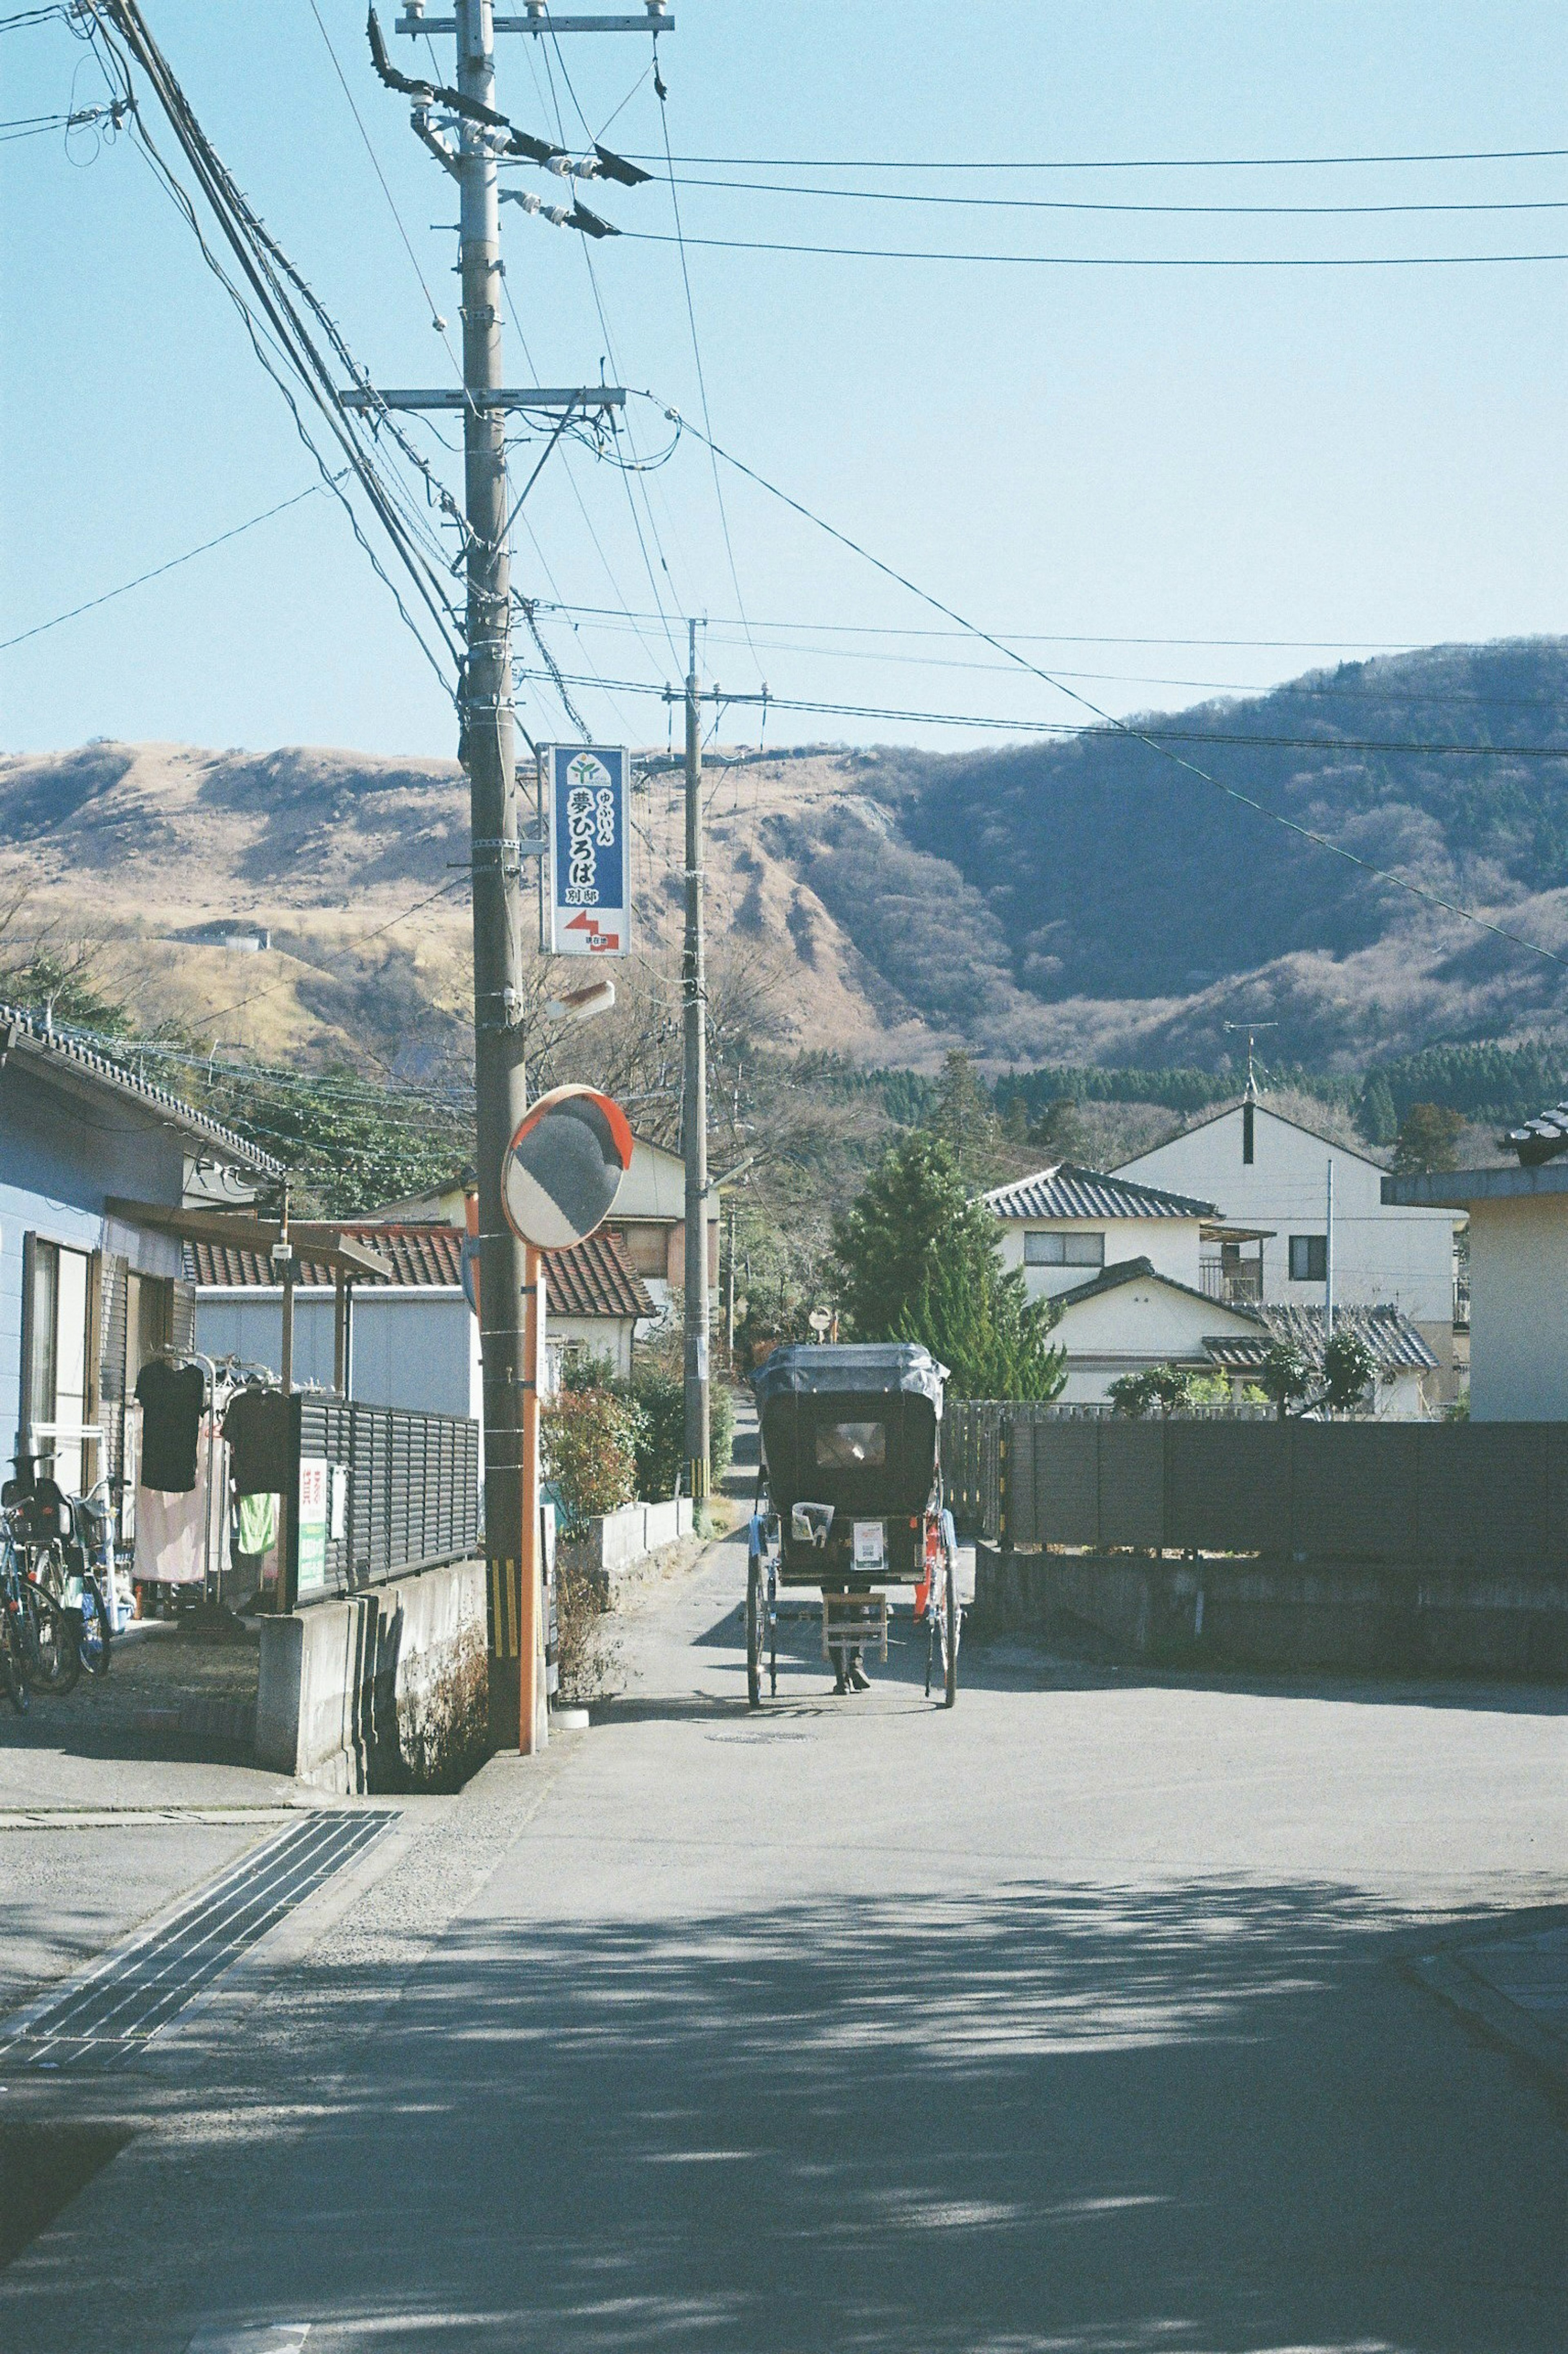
(1064, 1192)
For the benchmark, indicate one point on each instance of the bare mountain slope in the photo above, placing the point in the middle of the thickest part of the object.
(1079, 901)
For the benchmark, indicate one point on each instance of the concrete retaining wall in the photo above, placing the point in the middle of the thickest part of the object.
(1284, 1615)
(613, 1551)
(384, 1691)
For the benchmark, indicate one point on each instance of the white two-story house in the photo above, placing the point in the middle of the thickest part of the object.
(1272, 1176)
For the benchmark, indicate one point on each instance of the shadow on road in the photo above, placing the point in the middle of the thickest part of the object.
(1096, 2120)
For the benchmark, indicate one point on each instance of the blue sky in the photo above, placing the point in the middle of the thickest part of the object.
(1083, 455)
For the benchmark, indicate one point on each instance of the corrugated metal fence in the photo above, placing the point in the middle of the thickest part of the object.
(405, 1495)
(1488, 1495)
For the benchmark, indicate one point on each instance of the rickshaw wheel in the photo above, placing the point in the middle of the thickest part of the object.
(755, 1625)
(950, 1623)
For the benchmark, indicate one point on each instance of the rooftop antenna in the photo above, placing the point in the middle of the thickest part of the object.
(1252, 1029)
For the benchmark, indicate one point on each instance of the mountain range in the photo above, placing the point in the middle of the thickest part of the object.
(1083, 899)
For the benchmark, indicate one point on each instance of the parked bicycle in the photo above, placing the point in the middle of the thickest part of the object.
(14, 1640)
(63, 1548)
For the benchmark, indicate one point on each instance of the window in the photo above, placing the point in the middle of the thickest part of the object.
(852, 1446)
(1064, 1250)
(58, 1308)
(1308, 1258)
(1248, 1135)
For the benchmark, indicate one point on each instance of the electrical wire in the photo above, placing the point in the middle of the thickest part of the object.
(555, 105)
(1161, 747)
(280, 329)
(1294, 688)
(1103, 261)
(158, 570)
(701, 377)
(1091, 205)
(436, 319)
(1108, 724)
(1025, 637)
(1117, 163)
(289, 981)
(582, 508)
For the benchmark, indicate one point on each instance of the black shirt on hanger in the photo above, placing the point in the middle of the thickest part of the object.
(171, 1398)
(257, 1427)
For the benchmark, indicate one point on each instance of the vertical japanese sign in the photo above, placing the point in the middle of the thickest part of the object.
(589, 870)
(314, 1511)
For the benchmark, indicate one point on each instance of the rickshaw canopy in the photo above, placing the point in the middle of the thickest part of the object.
(853, 1426)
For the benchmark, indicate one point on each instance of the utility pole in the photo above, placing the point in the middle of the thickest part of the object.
(694, 1099)
(501, 1090)
(729, 1317)
(511, 1278)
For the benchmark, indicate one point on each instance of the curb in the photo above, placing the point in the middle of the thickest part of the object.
(1450, 1978)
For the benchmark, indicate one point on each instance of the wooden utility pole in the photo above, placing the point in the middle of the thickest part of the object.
(501, 1091)
(694, 1100)
(511, 1295)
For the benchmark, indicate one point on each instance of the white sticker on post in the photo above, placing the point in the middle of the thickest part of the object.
(870, 1545)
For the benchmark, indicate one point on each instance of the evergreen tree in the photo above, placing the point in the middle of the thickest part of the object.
(1375, 1113)
(964, 1117)
(919, 1261)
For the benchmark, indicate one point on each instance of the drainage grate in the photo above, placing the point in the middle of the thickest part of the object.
(128, 1996)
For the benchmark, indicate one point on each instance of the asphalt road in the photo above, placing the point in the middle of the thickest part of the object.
(1074, 2018)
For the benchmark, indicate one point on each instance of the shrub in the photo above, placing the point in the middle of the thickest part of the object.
(1350, 1370)
(1156, 1389)
(589, 1445)
(659, 1392)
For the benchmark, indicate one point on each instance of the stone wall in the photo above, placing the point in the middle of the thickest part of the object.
(386, 1690)
(615, 1553)
(1282, 1616)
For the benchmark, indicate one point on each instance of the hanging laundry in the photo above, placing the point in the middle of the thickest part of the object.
(171, 1398)
(171, 1533)
(256, 1525)
(181, 1536)
(258, 1425)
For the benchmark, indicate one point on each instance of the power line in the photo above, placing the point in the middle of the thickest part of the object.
(701, 378)
(436, 320)
(1056, 638)
(1103, 261)
(1137, 734)
(158, 570)
(1090, 205)
(1115, 163)
(289, 980)
(1108, 725)
(724, 633)
(280, 329)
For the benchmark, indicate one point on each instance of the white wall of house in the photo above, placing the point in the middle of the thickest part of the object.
(412, 1347)
(1519, 1310)
(1170, 1244)
(1141, 1323)
(1381, 1253)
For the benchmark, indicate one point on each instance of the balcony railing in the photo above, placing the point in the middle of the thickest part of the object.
(1237, 1287)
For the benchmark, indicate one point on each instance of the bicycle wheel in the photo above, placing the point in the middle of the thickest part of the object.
(12, 1657)
(48, 1635)
(950, 1634)
(93, 1648)
(756, 1630)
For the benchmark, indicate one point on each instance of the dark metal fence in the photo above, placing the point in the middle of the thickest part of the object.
(1480, 1495)
(379, 1492)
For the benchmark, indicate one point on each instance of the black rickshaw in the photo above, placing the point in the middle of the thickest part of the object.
(851, 1472)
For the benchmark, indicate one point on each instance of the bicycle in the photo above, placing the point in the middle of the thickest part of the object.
(95, 1523)
(13, 1635)
(64, 1547)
